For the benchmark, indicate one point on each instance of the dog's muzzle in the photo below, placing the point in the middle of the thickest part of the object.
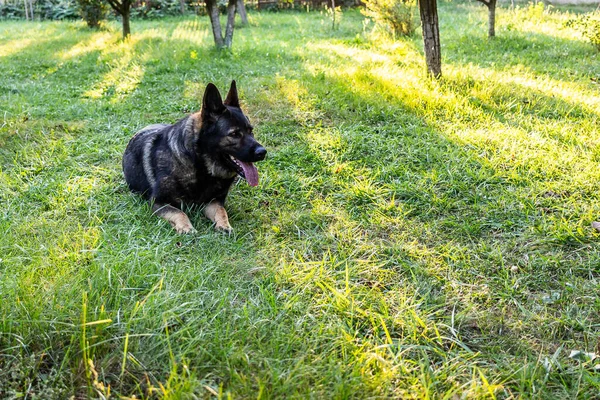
(260, 153)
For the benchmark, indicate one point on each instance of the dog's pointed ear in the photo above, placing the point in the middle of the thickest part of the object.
(212, 104)
(232, 99)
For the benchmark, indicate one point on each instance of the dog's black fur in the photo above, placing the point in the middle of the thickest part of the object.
(195, 160)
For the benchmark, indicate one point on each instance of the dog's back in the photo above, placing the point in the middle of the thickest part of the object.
(138, 160)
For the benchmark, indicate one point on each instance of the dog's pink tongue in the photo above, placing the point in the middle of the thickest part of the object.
(250, 172)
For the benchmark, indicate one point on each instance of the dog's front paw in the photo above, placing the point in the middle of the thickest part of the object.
(184, 227)
(224, 228)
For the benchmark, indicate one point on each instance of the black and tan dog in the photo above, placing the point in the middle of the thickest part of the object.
(195, 160)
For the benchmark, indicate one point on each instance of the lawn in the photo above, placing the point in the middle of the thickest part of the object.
(408, 239)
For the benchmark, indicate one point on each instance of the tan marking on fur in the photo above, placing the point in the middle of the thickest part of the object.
(177, 218)
(217, 214)
(215, 169)
(196, 121)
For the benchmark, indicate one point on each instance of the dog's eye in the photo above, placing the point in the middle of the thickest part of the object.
(235, 133)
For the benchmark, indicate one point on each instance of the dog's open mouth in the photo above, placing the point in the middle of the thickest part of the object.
(246, 170)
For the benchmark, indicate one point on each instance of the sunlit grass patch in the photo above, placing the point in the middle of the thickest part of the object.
(124, 74)
(98, 41)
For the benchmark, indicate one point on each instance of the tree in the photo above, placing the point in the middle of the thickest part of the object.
(491, 6)
(241, 10)
(213, 13)
(29, 10)
(123, 8)
(431, 37)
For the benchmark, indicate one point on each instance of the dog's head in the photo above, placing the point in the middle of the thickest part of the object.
(227, 133)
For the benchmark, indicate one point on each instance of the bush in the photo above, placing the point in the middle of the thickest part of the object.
(589, 26)
(536, 11)
(12, 11)
(93, 11)
(395, 16)
(57, 9)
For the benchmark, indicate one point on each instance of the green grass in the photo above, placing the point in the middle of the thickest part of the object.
(408, 239)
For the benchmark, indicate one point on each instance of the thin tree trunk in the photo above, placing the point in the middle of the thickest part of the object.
(333, 15)
(241, 9)
(230, 23)
(123, 8)
(431, 37)
(182, 6)
(126, 26)
(213, 13)
(491, 6)
(492, 18)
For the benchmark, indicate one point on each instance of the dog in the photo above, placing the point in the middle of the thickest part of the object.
(195, 160)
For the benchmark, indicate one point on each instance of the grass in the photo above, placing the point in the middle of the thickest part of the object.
(409, 238)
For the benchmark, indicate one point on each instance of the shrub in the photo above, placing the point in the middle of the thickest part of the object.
(536, 11)
(93, 11)
(58, 9)
(12, 11)
(395, 16)
(589, 26)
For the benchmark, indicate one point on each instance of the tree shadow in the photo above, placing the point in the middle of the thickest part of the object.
(507, 105)
(367, 196)
(438, 209)
(368, 160)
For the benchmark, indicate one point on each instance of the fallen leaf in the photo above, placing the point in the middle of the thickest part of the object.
(581, 355)
(551, 297)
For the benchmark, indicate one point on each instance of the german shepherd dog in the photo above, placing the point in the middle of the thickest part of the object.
(195, 160)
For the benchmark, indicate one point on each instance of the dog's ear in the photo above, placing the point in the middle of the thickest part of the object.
(212, 104)
(232, 99)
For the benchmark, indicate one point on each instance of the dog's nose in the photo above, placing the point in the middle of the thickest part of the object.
(260, 153)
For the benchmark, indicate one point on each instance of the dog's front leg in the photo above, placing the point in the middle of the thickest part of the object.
(217, 214)
(177, 218)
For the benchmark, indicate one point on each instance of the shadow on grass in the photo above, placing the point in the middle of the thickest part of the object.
(375, 237)
(438, 216)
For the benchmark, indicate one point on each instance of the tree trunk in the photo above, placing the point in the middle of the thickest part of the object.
(123, 8)
(492, 18)
(241, 9)
(230, 23)
(491, 6)
(182, 6)
(28, 10)
(213, 13)
(126, 27)
(332, 15)
(431, 37)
